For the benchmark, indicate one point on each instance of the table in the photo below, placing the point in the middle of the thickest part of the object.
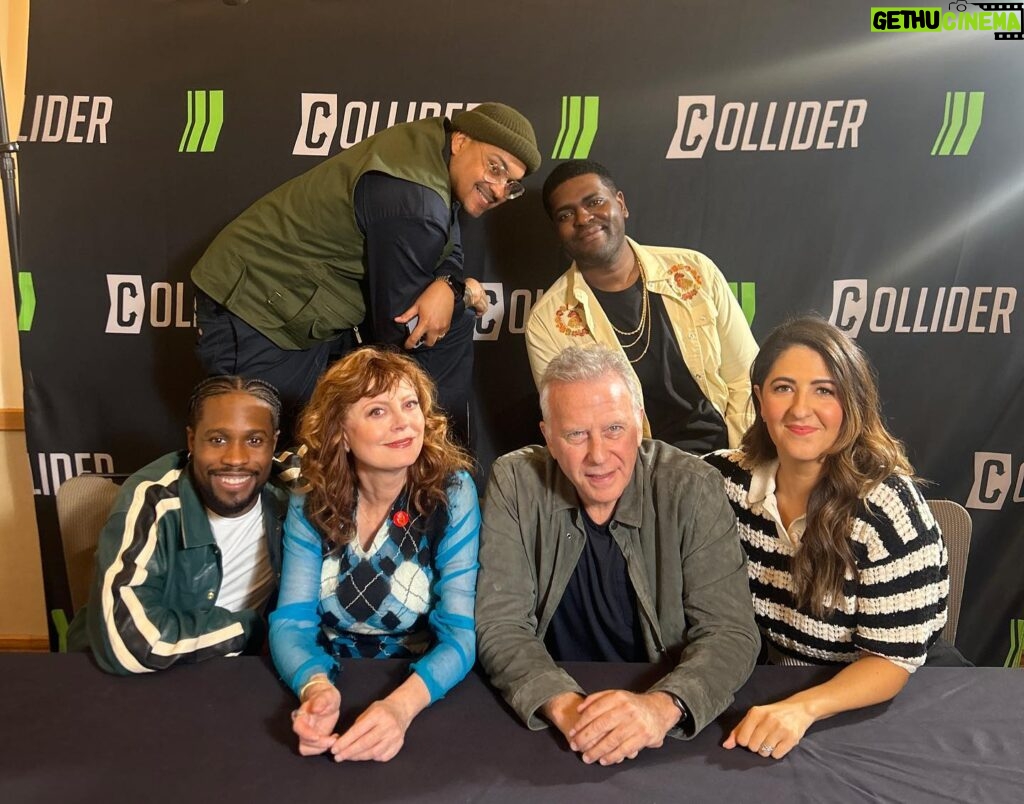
(220, 731)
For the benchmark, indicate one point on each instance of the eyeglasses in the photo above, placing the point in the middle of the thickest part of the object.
(498, 174)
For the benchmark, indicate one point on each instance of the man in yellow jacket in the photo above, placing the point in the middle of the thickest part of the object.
(668, 310)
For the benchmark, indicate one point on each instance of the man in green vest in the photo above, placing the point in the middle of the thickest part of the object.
(363, 248)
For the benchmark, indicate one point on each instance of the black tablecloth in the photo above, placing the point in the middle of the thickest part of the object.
(220, 731)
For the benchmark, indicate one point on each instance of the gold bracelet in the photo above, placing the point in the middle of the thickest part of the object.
(319, 679)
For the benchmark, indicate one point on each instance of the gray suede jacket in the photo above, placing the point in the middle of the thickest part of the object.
(677, 532)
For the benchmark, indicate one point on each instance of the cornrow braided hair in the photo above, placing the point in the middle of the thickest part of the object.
(228, 384)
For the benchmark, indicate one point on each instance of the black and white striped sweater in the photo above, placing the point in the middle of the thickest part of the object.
(894, 606)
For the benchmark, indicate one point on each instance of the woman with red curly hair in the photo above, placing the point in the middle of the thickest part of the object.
(380, 553)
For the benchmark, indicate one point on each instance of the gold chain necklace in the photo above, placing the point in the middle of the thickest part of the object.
(643, 311)
(645, 319)
(647, 345)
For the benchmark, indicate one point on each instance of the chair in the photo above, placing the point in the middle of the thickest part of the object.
(83, 505)
(955, 522)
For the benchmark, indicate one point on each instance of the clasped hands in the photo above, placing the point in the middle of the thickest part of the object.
(612, 725)
(378, 733)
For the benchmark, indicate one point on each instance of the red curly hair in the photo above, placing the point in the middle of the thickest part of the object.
(329, 471)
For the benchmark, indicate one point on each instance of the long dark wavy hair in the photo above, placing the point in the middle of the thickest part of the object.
(864, 455)
(329, 471)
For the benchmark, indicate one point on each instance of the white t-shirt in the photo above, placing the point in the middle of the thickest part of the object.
(248, 577)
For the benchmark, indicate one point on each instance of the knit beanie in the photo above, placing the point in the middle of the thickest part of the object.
(501, 125)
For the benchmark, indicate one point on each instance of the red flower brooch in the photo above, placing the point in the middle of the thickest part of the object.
(400, 518)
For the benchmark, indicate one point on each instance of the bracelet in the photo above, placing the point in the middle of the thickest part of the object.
(458, 288)
(319, 679)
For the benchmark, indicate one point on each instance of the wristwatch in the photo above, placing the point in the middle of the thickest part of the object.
(457, 287)
(683, 714)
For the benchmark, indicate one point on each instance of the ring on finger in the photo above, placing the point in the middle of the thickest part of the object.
(766, 750)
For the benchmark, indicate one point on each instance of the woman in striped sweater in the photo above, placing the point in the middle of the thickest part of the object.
(846, 563)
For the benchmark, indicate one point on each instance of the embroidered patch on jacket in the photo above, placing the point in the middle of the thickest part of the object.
(688, 280)
(570, 322)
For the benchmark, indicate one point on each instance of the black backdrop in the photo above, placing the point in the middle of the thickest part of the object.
(874, 177)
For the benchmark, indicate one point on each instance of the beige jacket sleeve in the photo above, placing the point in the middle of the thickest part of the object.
(738, 352)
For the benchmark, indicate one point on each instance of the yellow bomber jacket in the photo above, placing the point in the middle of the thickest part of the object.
(709, 326)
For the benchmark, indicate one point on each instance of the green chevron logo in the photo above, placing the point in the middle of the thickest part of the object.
(27, 308)
(960, 123)
(61, 626)
(205, 109)
(744, 293)
(579, 126)
(1015, 658)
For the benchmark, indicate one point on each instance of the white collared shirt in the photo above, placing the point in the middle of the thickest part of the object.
(762, 500)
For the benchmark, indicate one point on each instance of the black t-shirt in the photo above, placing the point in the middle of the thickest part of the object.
(597, 618)
(676, 408)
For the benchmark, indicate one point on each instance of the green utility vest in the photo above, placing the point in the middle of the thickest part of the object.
(291, 264)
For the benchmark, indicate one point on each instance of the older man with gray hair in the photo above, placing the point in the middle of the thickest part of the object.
(605, 546)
